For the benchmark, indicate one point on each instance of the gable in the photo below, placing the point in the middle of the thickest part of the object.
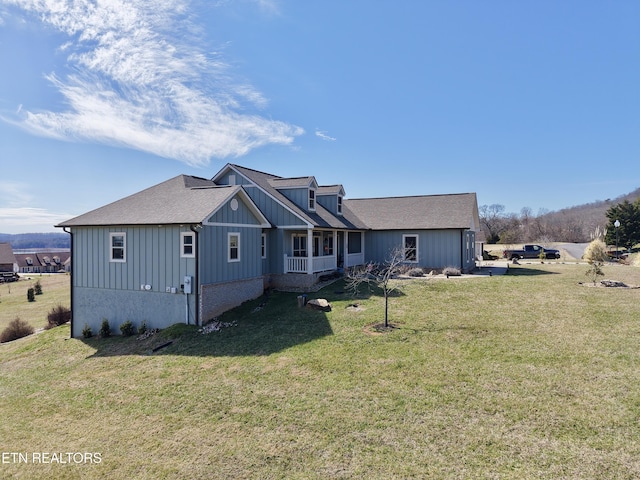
(238, 210)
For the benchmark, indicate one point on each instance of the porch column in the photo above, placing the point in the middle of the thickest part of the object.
(335, 248)
(309, 251)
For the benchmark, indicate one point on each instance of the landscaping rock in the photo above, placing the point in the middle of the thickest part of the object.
(613, 283)
(319, 304)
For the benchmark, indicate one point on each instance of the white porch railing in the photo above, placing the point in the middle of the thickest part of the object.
(354, 259)
(301, 264)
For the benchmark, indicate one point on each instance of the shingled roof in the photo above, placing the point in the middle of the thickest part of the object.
(322, 217)
(180, 200)
(454, 211)
(6, 254)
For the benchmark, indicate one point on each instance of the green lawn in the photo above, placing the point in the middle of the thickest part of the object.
(13, 298)
(527, 375)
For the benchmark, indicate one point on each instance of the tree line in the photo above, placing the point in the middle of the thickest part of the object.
(574, 225)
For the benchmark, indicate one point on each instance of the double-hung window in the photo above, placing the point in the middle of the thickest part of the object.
(263, 246)
(187, 244)
(312, 199)
(118, 247)
(410, 243)
(234, 247)
(300, 245)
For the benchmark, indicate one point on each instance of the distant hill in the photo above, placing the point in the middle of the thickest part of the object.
(588, 216)
(24, 241)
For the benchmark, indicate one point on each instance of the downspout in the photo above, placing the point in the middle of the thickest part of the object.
(462, 251)
(70, 277)
(196, 277)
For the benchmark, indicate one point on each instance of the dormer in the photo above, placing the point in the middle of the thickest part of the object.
(300, 190)
(330, 197)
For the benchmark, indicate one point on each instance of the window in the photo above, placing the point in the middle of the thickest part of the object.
(188, 245)
(263, 246)
(300, 245)
(410, 243)
(327, 244)
(118, 245)
(339, 205)
(234, 247)
(312, 199)
(317, 239)
(354, 242)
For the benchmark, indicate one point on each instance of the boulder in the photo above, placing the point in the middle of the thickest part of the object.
(319, 304)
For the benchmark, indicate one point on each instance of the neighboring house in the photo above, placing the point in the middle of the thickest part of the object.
(189, 248)
(7, 259)
(43, 261)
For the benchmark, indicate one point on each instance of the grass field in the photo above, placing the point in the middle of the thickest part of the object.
(527, 375)
(13, 298)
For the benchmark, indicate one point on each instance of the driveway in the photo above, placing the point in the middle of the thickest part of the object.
(575, 250)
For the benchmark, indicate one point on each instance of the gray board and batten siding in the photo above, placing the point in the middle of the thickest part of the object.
(135, 289)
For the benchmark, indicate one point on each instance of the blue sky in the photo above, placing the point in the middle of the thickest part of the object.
(529, 104)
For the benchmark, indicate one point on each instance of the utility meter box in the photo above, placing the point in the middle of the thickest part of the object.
(187, 285)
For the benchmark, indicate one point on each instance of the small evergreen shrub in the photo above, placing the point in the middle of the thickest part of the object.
(37, 288)
(16, 329)
(86, 331)
(58, 315)
(31, 295)
(127, 329)
(142, 329)
(105, 329)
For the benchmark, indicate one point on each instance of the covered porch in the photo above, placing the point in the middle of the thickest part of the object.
(315, 251)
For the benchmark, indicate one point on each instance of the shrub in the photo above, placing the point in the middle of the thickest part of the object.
(58, 316)
(594, 271)
(31, 296)
(452, 272)
(105, 329)
(596, 251)
(16, 329)
(37, 288)
(127, 329)
(415, 272)
(142, 329)
(86, 331)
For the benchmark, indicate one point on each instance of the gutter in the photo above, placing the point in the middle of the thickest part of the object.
(71, 276)
(196, 276)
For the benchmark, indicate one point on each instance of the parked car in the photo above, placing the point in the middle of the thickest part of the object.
(531, 251)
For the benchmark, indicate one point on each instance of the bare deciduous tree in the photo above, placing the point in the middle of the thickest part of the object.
(380, 276)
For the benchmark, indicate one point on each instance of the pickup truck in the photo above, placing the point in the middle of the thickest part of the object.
(531, 251)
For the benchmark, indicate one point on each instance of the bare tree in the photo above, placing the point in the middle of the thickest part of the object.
(380, 276)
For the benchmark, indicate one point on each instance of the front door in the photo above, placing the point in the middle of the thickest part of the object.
(340, 249)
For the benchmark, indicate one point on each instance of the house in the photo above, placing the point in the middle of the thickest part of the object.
(43, 261)
(191, 248)
(7, 259)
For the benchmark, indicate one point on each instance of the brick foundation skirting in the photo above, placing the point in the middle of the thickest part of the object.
(217, 298)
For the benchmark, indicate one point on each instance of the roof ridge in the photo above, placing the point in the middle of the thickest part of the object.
(413, 196)
(235, 165)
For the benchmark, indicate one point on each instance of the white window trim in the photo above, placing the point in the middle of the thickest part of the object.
(229, 235)
(339, 205)
(306, 249)
(263, 246)
(404, 248)
(182, 245)
(124, 247)
(311, 203)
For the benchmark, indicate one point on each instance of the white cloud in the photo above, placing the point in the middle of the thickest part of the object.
(29, 220)
(324, 136)
(143, 81)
